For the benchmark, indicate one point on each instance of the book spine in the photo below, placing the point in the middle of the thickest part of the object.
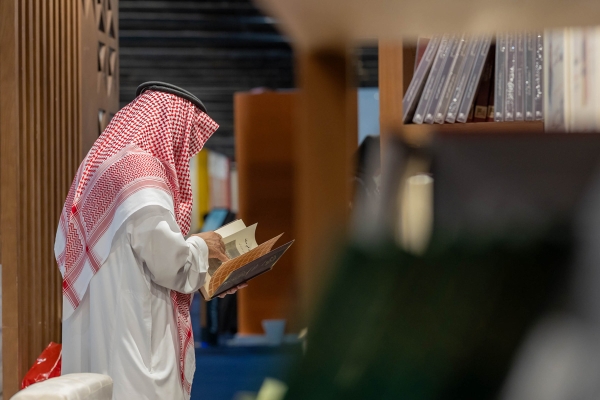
(530, 39)
(464, 74)
(500, 78)
(538, 77)
(554, 97)
(583, 103)
(481, 101)
(471, 116)
(422, 44)
(415, 89)
(473, 82)
(448, 59)
(459, 59)
(427, 95)
(520, 78)
(490, 110)
(511, 64)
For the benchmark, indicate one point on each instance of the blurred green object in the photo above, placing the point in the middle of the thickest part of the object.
(444, 325)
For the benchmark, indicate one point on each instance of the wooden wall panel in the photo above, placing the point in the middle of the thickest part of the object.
(44, 133)
(265, 163)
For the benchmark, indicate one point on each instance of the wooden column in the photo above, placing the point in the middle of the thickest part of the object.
(264, 126)
(324, 143)
(41, 129)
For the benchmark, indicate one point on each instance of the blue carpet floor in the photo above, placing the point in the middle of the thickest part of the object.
(222, 372)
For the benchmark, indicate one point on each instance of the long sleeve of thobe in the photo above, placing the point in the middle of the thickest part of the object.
(173, 262)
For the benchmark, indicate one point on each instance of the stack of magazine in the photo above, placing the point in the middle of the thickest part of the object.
(572, 76)
(460, 78)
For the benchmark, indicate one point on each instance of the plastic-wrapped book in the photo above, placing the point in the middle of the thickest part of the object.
(427, 94)
(500, 78)
(509, 73)
(459, 59)
(520, 78)
(538, 77)
(554, 81)
(415, 89)
(473, 81)
(441, 82)
(530, 40)
(464, 73)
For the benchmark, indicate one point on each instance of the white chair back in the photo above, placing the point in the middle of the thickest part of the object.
(83, 386)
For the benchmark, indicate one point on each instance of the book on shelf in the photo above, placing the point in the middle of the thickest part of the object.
(554, 98)
(479, 78)
(490, 109)
(464, 74)
(247, 259)
(425, 99)
(448, 77)
(571, 72)
(417, 84)
(520, 78)
(466, 107)
(422, 44)
(485, 86)
(538, 77)
(530, 41)
(510, 67)
(452, 80)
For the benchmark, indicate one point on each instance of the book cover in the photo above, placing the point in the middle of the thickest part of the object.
(530, 40)
(510, 72)
(432, 79)
(456, 68)
(448, 62)
(473, 82)
(520, 78)
(422, 44)
(464, 74)
(490, 109)
(416, 87)
(247, 260)
(538, 77)
(500, 77)
(554, 95)
(483, 92)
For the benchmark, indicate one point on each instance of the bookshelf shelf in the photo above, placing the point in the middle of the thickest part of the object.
(422, 134)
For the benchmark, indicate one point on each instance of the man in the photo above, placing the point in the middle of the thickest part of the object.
(128, 273)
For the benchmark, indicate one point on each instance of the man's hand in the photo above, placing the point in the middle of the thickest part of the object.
(232, 291)
(216, 247)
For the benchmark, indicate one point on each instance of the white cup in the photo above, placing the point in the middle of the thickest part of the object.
(274, 330)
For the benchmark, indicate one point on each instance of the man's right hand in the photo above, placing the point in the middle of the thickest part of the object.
(216, 247)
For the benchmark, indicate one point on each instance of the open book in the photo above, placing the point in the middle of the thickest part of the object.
(248, 259)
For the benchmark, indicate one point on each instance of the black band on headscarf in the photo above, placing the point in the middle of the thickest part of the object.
(168, 88)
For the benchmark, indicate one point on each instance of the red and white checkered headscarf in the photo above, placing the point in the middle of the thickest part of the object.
(148, 144)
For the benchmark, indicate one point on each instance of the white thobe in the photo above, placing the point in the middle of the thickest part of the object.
(125, 325)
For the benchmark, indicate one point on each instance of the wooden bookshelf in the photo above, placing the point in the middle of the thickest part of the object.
(322, 33)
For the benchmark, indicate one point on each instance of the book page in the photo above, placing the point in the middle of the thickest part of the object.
(240, 242)
(231, 228)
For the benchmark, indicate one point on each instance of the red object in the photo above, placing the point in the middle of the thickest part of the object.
(46, 366)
